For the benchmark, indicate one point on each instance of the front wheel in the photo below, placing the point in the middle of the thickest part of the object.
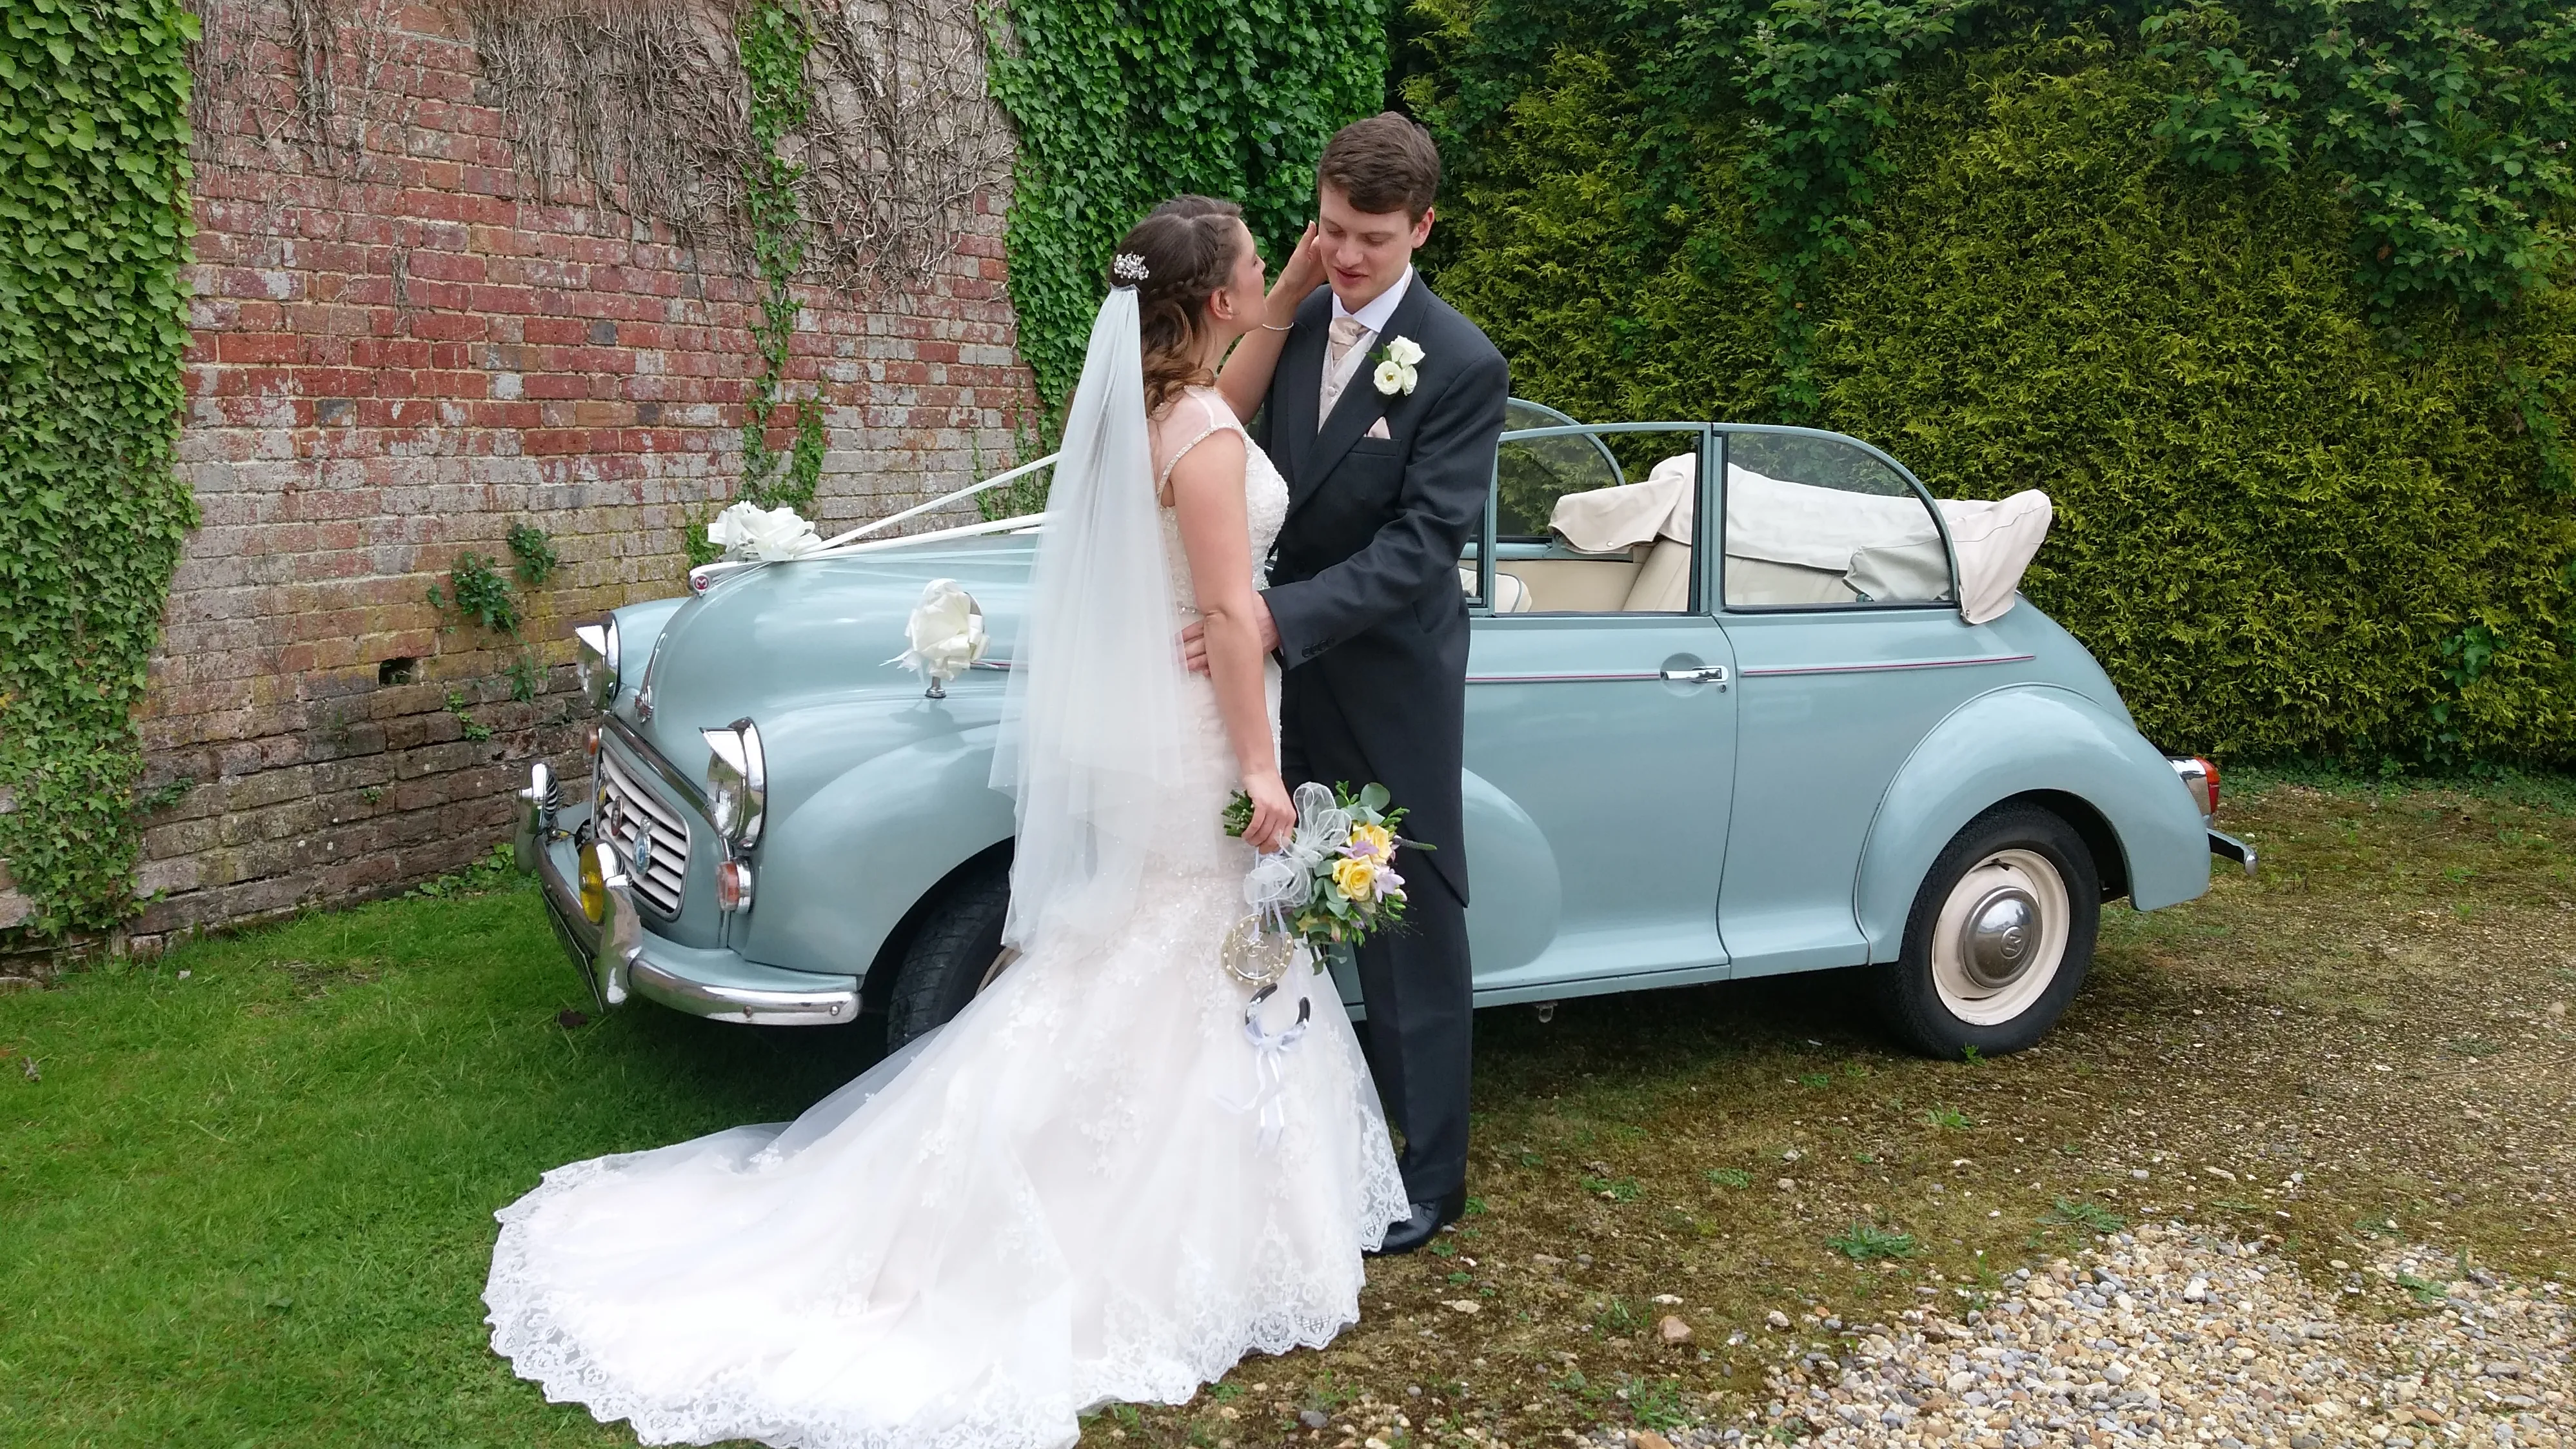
(955, 953)
(1999, 939)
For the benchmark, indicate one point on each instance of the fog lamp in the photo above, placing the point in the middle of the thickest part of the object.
(594, 888)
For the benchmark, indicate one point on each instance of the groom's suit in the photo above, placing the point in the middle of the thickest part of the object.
(1373, 633)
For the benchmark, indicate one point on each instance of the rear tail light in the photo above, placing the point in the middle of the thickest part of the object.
(2200, 777)
(733, 885)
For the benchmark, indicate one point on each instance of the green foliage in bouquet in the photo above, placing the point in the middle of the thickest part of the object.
(2310, 465)
(1353, 889)
(94, 188)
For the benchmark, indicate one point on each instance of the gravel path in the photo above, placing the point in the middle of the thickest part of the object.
(2163, 1336)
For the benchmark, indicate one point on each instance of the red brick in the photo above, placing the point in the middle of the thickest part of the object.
(395, 361)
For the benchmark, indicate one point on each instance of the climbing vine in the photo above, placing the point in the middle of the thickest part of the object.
(774, 41)
(93, 184)
(1121, 104)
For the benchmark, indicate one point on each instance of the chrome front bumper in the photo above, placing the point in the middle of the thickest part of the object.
(618, 958)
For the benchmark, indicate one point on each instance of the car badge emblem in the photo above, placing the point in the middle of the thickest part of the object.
(643, 852)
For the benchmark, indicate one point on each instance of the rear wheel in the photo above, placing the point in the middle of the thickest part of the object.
(954, 953)
(1999, 939)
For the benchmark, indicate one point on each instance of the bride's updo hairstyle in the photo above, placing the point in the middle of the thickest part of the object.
(1190, 245)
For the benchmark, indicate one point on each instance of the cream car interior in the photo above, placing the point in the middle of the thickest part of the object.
(1627, 548)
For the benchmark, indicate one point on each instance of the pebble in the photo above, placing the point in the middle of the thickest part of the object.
(2221, 1343)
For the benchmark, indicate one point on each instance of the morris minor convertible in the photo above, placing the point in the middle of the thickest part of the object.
(1741, 700)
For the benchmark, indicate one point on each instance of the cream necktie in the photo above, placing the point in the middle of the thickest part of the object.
(1346, 334)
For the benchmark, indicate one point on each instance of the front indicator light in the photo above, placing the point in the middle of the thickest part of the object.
(594, 888)
(733, 886)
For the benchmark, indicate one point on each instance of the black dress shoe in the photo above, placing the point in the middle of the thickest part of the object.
(1422, 1224)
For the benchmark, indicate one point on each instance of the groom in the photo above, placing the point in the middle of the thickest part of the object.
(1387, 476)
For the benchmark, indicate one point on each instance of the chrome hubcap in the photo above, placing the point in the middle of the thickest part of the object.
(1996, 942)
(2001, 937)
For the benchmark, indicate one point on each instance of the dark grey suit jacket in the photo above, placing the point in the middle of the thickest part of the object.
(1364, 578)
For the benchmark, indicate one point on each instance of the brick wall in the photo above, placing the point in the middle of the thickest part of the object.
(403, 346)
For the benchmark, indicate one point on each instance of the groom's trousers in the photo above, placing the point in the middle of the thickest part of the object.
(1417, 1036)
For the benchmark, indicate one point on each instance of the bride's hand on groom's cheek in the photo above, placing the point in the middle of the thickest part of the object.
(1299, 276)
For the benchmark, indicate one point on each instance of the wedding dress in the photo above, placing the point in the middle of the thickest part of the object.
(1077, 1191)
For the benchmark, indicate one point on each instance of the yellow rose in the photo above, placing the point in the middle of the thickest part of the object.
(1357, 878)
(1380, 844)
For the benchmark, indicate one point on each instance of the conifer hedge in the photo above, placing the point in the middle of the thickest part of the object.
(2262, 294)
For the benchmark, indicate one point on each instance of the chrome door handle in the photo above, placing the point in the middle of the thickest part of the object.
(1703, 674)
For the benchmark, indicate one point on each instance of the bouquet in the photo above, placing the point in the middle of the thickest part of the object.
(1335, 882)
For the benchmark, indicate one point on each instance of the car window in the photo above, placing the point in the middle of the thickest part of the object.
(1817, 521)
(1532, 473)
(1601, 521)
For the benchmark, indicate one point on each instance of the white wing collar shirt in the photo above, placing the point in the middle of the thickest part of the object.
(1353, 334)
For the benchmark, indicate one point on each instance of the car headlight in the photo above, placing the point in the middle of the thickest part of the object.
(737, 781)
(598, 667)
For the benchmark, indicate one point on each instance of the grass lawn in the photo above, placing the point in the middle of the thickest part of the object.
(248, 1188)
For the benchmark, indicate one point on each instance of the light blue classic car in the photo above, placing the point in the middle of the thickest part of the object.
(1742, 700)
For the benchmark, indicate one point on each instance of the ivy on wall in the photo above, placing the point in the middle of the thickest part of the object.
(1121, 104)
(773, 40)
(93, 188)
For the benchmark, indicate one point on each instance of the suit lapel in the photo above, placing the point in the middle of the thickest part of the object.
(1360, 403)
(1293, 389)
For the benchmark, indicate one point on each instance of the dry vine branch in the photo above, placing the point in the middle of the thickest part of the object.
(351, 72)
(643, 102)
(904, 139)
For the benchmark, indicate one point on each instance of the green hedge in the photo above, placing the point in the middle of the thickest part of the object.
(2301, 511)
(94, 227)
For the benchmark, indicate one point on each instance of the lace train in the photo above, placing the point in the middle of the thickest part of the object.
(1059, 1199)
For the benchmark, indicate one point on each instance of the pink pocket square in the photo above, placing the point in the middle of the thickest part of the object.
(1377, 430)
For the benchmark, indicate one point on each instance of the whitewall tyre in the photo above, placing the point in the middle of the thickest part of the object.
(1999, 939)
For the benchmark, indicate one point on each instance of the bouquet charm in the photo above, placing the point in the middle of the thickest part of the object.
(1332, 884)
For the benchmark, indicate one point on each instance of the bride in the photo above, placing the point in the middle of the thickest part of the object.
(1093, 1184)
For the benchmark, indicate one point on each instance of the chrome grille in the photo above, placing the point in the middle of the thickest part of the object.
(627, 809)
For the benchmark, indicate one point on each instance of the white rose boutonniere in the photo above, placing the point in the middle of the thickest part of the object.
(747, 530)
(1395, 363)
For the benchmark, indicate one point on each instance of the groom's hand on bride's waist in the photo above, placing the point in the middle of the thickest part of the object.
(1194, 638)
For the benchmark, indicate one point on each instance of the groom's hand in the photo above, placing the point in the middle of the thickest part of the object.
(1194, 638)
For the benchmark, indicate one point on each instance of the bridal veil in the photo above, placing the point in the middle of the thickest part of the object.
(1091, 742)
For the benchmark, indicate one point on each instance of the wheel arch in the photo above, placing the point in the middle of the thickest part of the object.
(2055, 748)
(877, 986)
(2110, 857)
(843, 875)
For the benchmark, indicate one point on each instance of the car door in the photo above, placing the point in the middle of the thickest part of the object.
(1600, 717)
(1839, 600)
